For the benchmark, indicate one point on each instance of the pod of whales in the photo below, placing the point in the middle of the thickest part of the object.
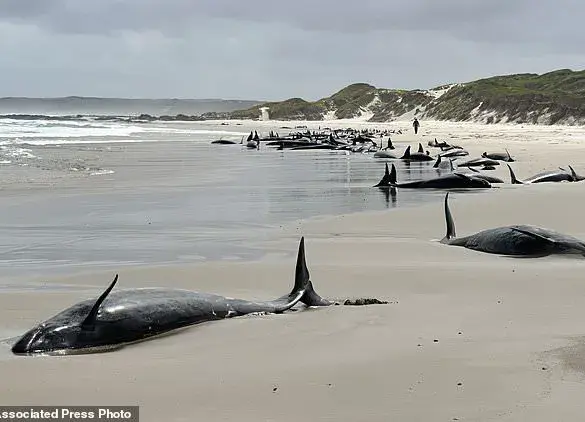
(517, 240)
(128, 316)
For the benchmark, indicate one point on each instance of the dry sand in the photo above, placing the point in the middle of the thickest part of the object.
(466, 336)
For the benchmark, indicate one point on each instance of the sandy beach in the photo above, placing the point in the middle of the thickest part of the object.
(465, 336)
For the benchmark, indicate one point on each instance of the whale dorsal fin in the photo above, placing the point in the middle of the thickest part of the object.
(393, 175)
(420, 148)
(509, 156)
(386, 179)
(406, 152)
(513, 179)
(438, 161)
(302, 275)
(449, 221)
(303, 290)
(310, 297)
(89, 321)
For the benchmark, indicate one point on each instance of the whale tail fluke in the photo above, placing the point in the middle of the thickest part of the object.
(513, 178)
(576, 177)
(449, 222)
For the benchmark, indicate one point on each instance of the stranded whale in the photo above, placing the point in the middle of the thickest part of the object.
(128, 316)
(416, 156)
(448, 181)
(499, 156)
(518, 240)
(478, 162)
(547, 176)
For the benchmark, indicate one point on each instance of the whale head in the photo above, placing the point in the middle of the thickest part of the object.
(72, 330)
(49, 337)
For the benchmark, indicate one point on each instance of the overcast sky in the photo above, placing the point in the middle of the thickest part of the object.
(273, 49)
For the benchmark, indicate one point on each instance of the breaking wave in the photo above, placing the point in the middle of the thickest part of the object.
(50, 132)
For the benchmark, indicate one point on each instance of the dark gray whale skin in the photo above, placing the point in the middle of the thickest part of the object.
(415, 156)
(517, 240)
(499, 156)
(547, 176)
(491, 179)
(448, 181)
(478, 162)
(127, 316)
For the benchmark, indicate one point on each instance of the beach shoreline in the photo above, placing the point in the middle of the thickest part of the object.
(465, 335)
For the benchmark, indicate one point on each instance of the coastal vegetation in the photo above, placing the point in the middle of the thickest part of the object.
(556, 97)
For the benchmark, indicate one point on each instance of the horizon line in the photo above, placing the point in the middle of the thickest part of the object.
(91, 97)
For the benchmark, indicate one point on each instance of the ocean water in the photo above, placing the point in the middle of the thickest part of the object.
(84, 194)
(118, 106)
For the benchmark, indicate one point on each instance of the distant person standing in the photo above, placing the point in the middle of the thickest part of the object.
(415, 124)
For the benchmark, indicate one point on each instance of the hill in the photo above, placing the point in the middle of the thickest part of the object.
(556, 97)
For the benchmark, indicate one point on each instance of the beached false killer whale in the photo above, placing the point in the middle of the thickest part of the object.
(437, 144)
(449, 181)
(478, 162)
(499, 156)
(544, 177)
(122, 317)
(223, 142)
(454, 153)
(416, 156)
(518, 240)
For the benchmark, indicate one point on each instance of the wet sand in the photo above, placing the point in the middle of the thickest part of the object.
(466, 336)
(175, 201)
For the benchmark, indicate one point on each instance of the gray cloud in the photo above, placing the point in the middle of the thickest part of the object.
(272, 49)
